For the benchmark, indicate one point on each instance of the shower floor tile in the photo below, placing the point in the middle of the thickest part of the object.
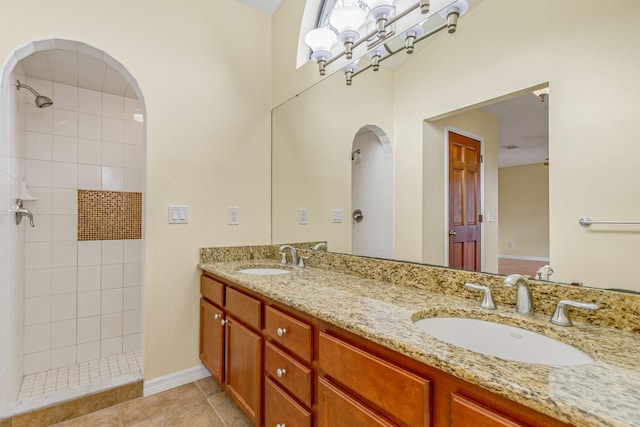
(41, 384)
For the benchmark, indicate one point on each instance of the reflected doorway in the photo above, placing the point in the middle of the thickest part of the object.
(465, 249)
(372, 194)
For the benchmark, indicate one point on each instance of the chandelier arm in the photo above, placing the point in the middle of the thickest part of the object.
(389, 22)
(416, 41)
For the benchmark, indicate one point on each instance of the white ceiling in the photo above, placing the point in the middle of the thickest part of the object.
(523, 121)
(75, 68)
(266, 6)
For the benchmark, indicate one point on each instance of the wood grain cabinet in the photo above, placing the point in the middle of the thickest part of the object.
(287, 368)
(212, 339)
(289, 377)
(231, 343)
(399, 395)
(468, 412)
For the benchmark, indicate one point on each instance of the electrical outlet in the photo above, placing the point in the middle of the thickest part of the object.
(336, 215)
(303, 216)
(233, 216)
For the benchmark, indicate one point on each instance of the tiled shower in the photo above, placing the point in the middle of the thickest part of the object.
(372, 193)
(74, 312)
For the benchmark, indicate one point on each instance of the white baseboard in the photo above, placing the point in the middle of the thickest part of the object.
(175, 379)
(524, 258)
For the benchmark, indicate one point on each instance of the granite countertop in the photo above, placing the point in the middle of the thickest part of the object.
(604, 392)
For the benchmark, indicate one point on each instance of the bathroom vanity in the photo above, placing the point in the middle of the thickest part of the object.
(316, 347)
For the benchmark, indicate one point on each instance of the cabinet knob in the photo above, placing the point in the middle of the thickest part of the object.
(216, 316)
(281, 332)
(280, 372)
(280, 425)
(223, 322)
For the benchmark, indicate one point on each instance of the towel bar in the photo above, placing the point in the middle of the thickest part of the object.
(586, 222)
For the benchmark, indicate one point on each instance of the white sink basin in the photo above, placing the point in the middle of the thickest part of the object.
(503, 341)
(270, 271)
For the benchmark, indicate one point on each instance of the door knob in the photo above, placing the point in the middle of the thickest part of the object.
(452, 233)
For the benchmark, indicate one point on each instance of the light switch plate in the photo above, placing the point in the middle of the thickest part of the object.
(233, 216)
(178, 214)
(303, 216)
(336, 215)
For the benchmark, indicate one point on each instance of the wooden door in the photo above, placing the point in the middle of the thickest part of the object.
(464, 203)
(212, 339)
(244, 369)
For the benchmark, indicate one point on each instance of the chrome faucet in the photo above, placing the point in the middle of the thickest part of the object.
(21, 211)
(561, 317)
(487, 299)
(318, 246)
(544, 272)
(294, 255)
(523, 294)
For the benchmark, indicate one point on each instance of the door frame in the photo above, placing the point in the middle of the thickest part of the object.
(445, 229)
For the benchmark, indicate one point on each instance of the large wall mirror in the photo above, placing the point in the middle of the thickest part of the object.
(331, 143)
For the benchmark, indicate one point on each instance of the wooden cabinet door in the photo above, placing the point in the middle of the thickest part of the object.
(338, 409)
(212, 339)
(244, 368)
(467, 412)
(281, 410)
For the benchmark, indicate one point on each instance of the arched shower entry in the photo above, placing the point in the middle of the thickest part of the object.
(71, 287)
(372, 193)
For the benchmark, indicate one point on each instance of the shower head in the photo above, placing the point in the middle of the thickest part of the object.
(41, 100)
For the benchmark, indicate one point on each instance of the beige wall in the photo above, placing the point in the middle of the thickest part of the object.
(312, 144)
(477, 124)
(524, 211)
(208, 135)
(287, 79)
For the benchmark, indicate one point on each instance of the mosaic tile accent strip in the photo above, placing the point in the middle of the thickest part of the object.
(109, 215)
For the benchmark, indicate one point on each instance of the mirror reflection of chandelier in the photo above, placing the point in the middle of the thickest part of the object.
(352, 23)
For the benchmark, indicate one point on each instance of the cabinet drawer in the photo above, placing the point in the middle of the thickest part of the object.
(290, 333)
(399, 393)
(467, 412)
(212, 290)
(282, 410)
(294, 376)
(338, 409)
(244, 308)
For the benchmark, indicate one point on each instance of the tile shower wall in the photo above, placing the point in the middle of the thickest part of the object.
(11, 242)
(82, 299)
(372, 192)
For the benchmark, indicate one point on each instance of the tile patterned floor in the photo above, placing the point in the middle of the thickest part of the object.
(44, 383)
(199, 404)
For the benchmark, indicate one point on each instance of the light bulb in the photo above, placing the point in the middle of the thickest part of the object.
(381, 11)
(320, 40)
(346, 20)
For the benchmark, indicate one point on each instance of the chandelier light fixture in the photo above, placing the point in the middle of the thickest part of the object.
(369, 24)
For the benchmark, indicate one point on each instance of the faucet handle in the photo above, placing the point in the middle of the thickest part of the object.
(284, 258)
(301, 260)
(561, 317)
(487, 300)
